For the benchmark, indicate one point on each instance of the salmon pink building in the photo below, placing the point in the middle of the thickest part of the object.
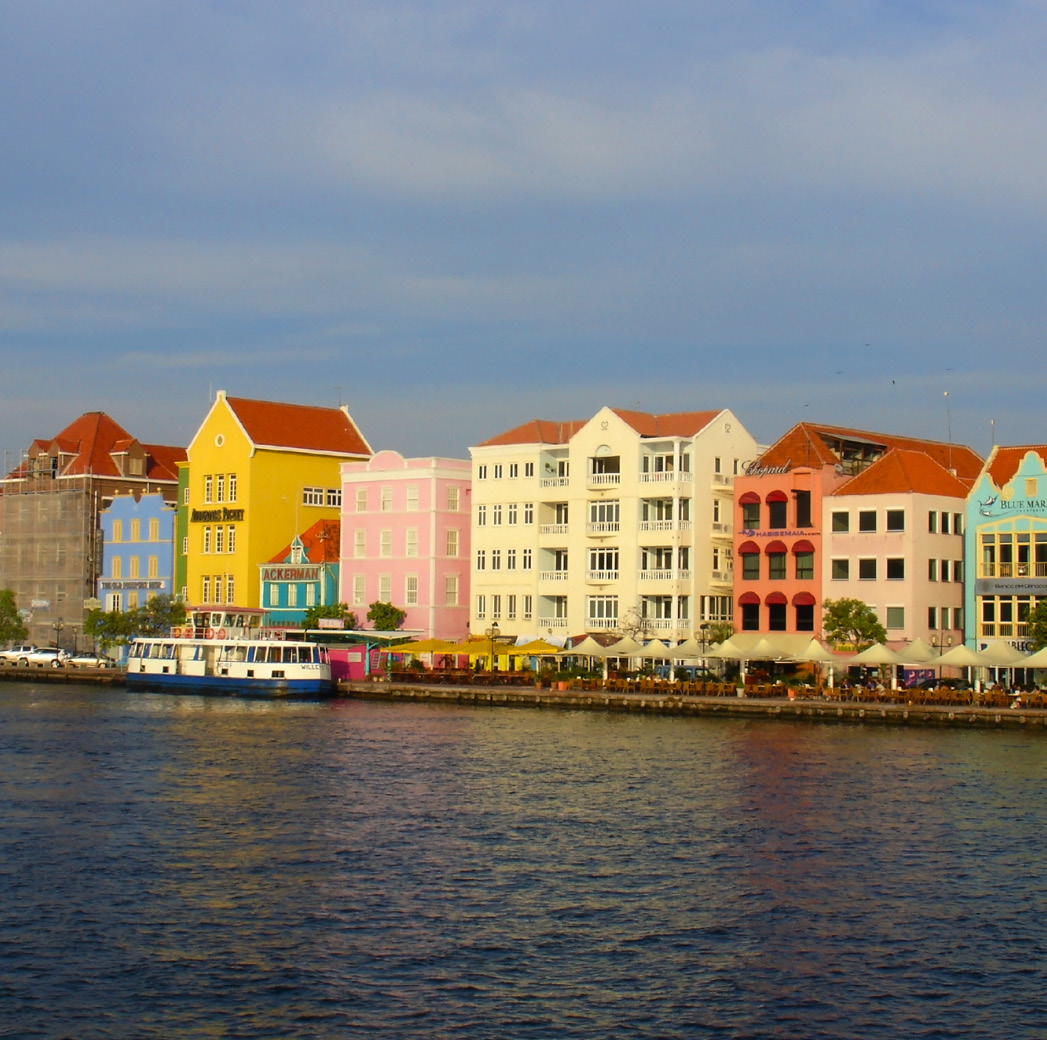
(405, 540)
(829, 512)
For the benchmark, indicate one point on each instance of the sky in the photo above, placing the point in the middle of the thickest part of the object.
(457, 216)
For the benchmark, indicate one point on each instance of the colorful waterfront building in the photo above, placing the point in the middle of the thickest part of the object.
(302, 575)
(405, 540)
(829, 512)
(137, 550)
(1007, 546)
(618, 523)
(257, 472)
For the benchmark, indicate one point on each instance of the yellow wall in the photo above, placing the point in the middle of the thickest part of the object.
(269, 492)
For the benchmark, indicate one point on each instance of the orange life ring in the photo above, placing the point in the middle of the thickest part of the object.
(176, 633)
(210, 633)
(221, 633)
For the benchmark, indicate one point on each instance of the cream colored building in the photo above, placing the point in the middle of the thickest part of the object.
(622, 523)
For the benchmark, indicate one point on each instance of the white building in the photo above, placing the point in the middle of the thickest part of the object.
(618, 523)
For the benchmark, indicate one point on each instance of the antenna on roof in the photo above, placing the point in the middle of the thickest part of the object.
(992, 427)
(948, 427)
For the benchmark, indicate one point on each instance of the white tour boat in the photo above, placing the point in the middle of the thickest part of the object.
(226, 650)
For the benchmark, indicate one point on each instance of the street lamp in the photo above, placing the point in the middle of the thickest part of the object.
(58, 624)
(941, 641)
(492, 634)
(704, 629)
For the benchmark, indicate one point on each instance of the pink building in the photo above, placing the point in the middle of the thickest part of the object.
(405, 540)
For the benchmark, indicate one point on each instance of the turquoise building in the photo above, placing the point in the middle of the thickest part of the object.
(302, 575)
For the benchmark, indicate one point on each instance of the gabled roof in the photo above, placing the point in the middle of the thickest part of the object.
(901, 471)
(1004, 461)
(320, 543)
(646, 424)
(92, 439)
(271, 424)
(817, 445)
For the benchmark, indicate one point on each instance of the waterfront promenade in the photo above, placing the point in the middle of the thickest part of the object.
(905, 708)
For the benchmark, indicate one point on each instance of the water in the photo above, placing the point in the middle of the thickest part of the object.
(190, 867)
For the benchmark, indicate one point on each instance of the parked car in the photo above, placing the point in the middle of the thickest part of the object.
(44, 657)
(88, 659)
(12, 656)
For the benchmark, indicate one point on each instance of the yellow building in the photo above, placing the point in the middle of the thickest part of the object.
(259, 473)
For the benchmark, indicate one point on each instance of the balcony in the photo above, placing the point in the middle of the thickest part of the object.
(667, 477)
(664, 574)
(1014, 570)
(552, 622)
(553, 575)
(603, 479)
(661, 624)
(553, 529)
(603, 527)
(554, 482)
(600, 624)
(666, 525)
(602, 575)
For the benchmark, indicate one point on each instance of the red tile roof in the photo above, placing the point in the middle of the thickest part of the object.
(545, 431)
(92, 439)
(903, 471)
(271, 424)
(320, 543)
(811, 444)
(1004, 461)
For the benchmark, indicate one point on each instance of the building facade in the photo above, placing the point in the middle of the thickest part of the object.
(301, 575)
(137, 551)
(1007, 546)
(620, 523)
(52, 548)
(406, 540)
(258, 471)
(829, 512)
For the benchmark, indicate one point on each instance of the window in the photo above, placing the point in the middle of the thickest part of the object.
(132, 600)
(481, 472)
(481, 560)
(481, 516)
(411, 544)
(957, 617)
(220, 488)
(932, 570)
(805, 618)
(895, 519)
(118, 531)
(867, 520)
(896, 569)
(154, 530)
(385, 545)
(481, 606)
(496, 607)
(803, 508)
(945, 523)
(777, 518)
(312, 496)
(528, 513)
(452, 498)
(957, 525)
(385, 502)
(359, 590)
(207, 539)
(292, 595)
(496, 559)
(136, 530)
(185, 545)
(841, 570)
(334, 497)
(528, 471)
(527, 558)
(514, 469)
(750, 566)
(232, 487)
(602, 611)
(205, 587)
(510, 608)
(412, 498)
(185, 496)
(208, 492)
(511, 512)
(932, 524)
(750, 617)
(132, 567)
(359, 543)
(510, 559)
(274, 594)
(230, 541)
(604, 562)
(867, 570)
(219, 539)
(804, 566)
(776, 617)
(452, 542)
(895, 617)
(497, 471)
(411, 590)
(751, 516)
(385, 588)
(776, 566)
(716, 464)
(932, 617)
(957, 572)
(496, 516)
(116, 567)
(310, 595)
(361, 500)
(528, 605)
(943, 570)
(841, 521)
(450, 590)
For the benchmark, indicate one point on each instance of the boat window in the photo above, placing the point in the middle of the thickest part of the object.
(168, 651)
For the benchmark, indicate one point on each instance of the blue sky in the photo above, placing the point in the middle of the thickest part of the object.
(455, 217)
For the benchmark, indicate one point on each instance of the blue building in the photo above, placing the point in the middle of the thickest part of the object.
(137, 551)
(1006, 546)
(304, 574)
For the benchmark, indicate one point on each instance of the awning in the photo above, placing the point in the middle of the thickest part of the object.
(748, 549)
(750, 498)
(775, 599)
(776, 547)
(747, 599)
(777, 496)
(803, 546)
(803, 599)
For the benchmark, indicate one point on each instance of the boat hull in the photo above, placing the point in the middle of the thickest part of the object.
(226, 686)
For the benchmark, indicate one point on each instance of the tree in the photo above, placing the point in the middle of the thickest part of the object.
(329, 610)
(12, 628)
(1038, 625)
(634, 625)
(853, 622)
(156, 616)
(718, 632)
(107, 628)
(384, 617)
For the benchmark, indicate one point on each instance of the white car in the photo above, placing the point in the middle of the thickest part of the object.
(90, 660)
(13, 655)
(44, 657)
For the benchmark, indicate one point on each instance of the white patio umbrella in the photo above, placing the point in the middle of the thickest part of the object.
(588, 647)
(1038, 659)
(918, 652)
(815, 653)
(878, 654)
(961, 657)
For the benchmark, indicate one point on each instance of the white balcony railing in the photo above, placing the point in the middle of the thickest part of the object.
(554, 482)
(664, 574)
(603, 527)
(552, 622)
(664, 477)
(603, 479)
(553, 529)
(601, 575)
(553, 575)
(656, 525)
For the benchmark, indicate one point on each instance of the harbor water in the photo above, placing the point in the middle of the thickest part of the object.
(181, 866)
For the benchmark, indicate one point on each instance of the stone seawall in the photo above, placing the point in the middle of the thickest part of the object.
(813, 710)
